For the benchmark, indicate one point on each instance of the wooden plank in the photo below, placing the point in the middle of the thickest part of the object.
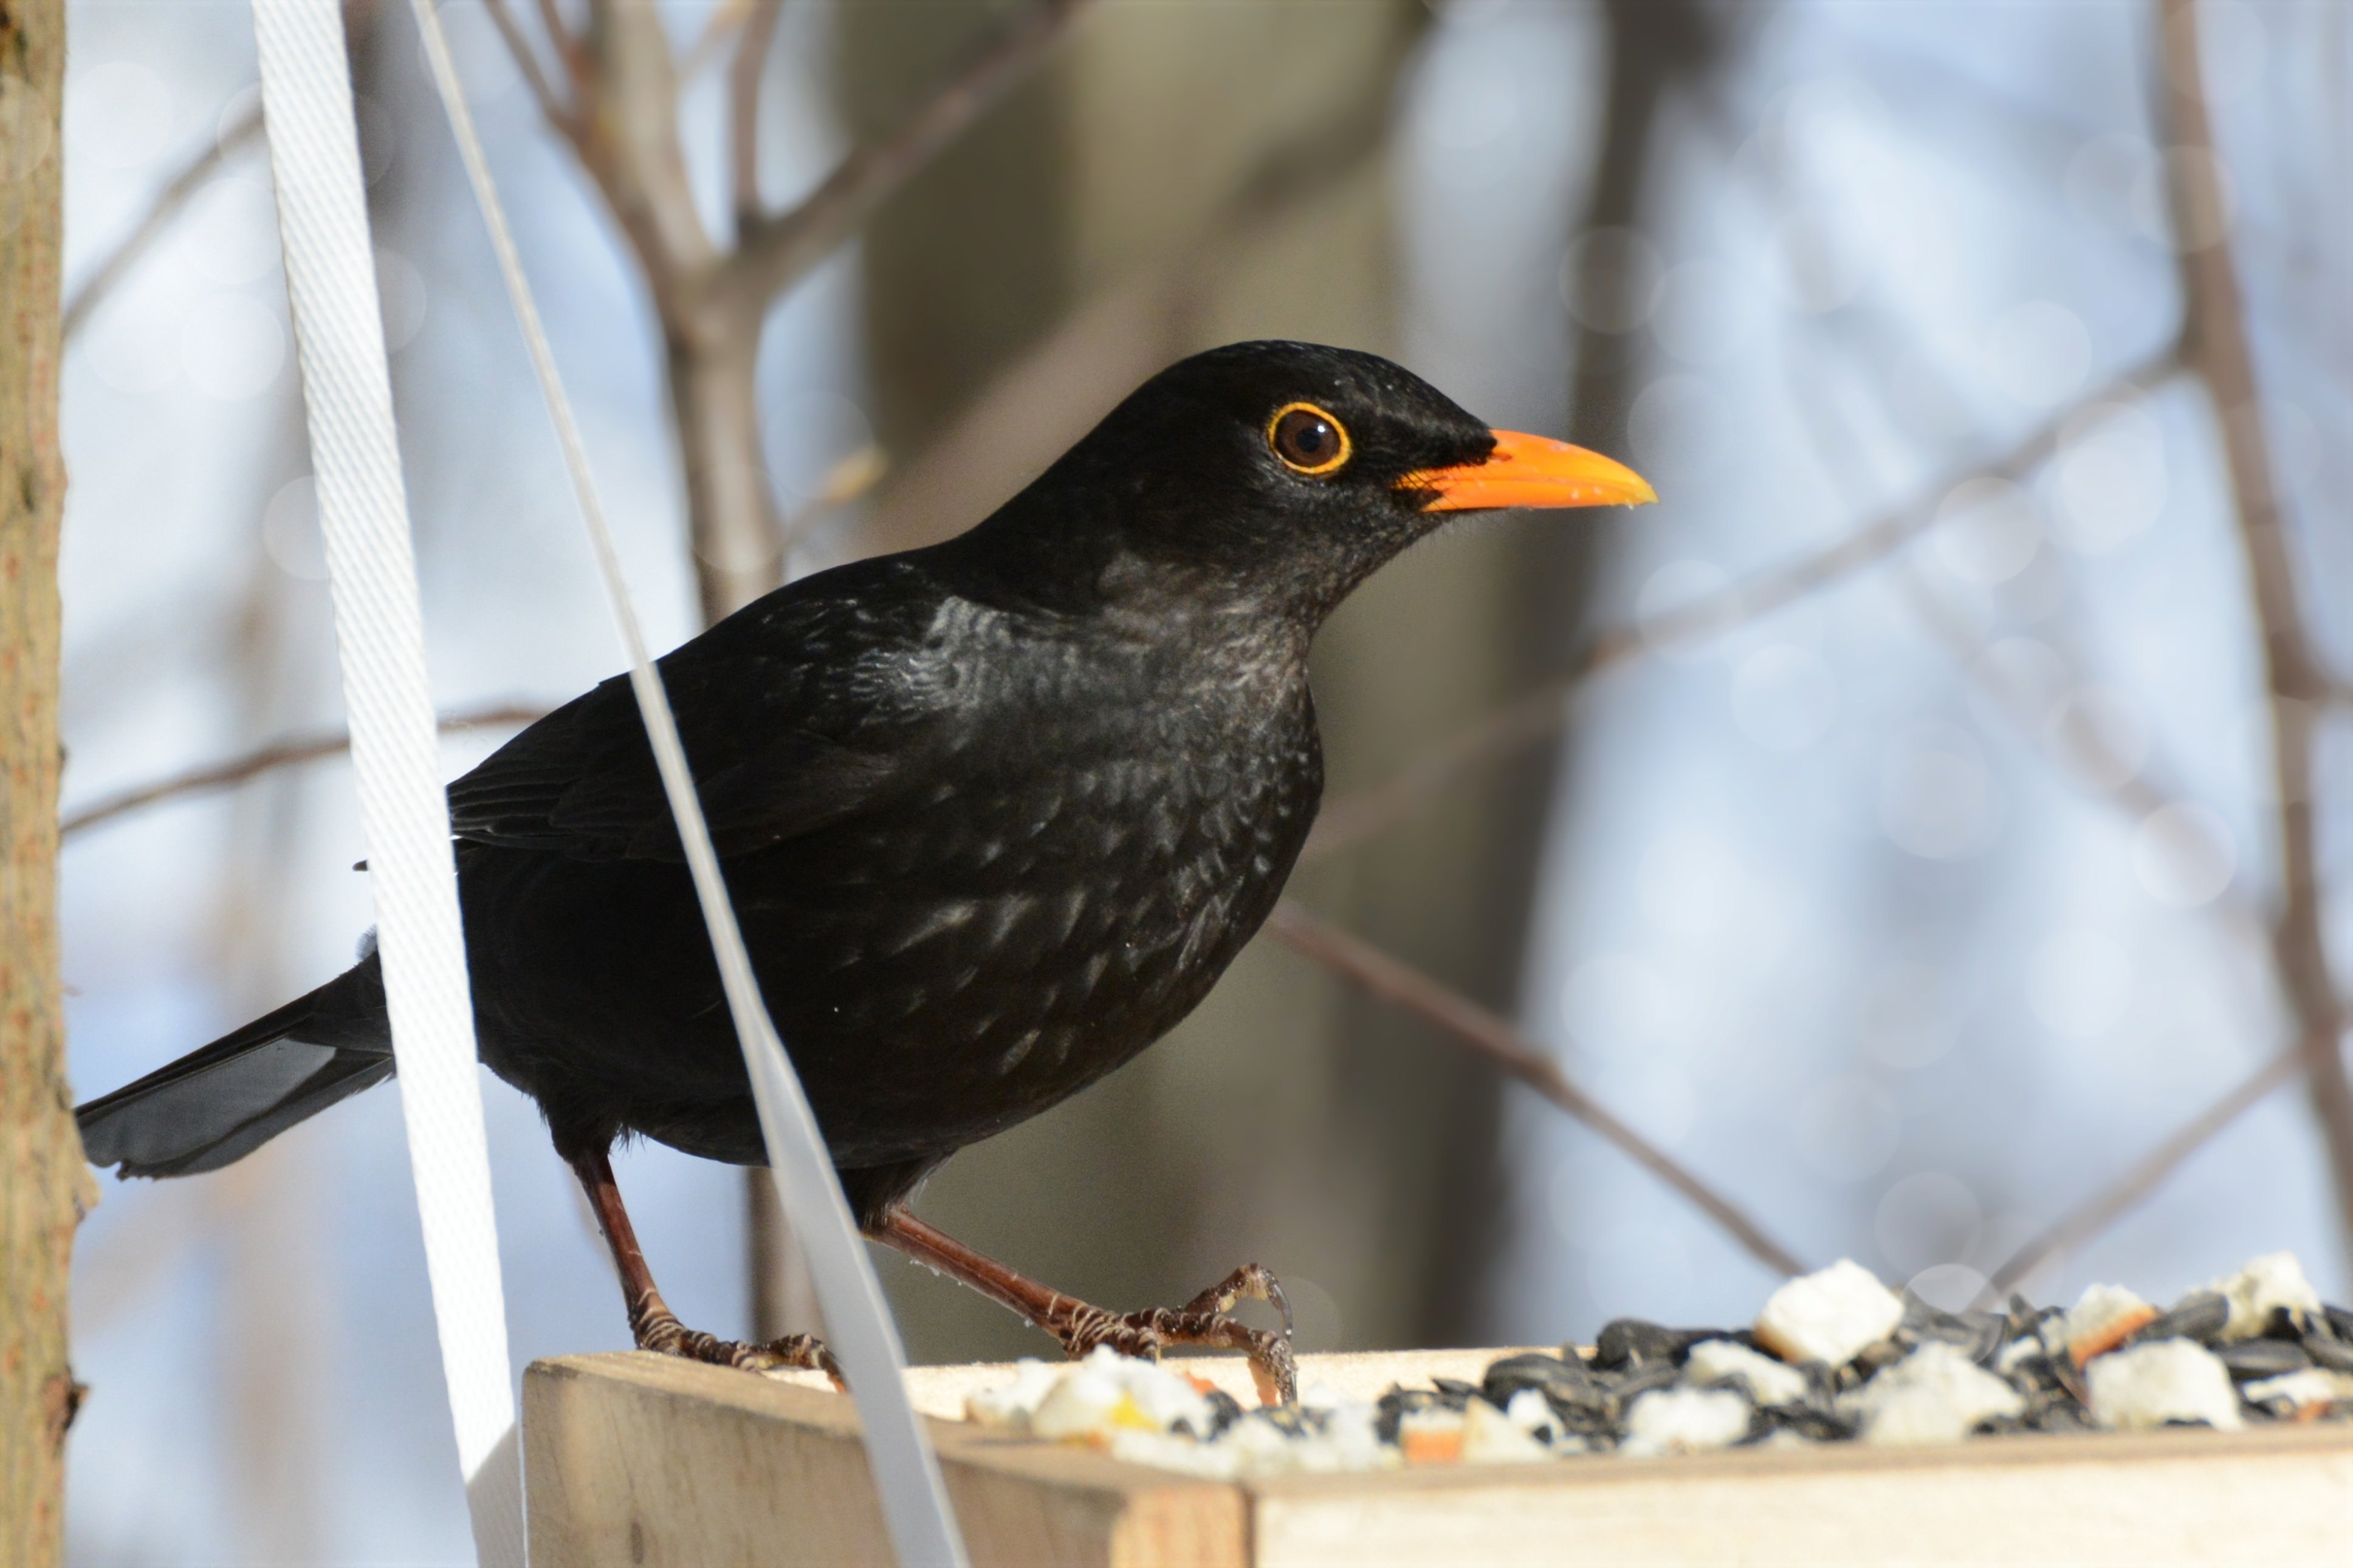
(650, 1462)
(2280, 1496)
(639, 1459)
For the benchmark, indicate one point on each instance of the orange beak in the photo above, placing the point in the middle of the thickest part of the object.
(1533, 471)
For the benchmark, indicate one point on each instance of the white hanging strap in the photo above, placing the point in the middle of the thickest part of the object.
(330, 277)
(858, 1319)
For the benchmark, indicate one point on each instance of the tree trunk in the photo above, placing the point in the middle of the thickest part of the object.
(44, 1185)
(1286, 1121)
(2224, 359)
(731, 513)
(739, 554)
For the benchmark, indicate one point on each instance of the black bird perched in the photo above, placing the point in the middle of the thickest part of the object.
(994, 814)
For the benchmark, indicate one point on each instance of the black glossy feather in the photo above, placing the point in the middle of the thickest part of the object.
(996, 815)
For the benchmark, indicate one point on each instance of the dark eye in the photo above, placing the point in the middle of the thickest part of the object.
(1307, 439)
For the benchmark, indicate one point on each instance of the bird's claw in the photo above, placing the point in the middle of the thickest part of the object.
(1205, 1322)
(658, 1329)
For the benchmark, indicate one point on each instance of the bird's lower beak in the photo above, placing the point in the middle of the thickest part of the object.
(1534, 471)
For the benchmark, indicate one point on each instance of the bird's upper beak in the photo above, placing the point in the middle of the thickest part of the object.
(1530, 470)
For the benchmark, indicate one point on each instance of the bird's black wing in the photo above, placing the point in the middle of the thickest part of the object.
(791, 719)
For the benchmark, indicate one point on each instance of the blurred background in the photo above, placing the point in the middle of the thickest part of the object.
(1918, 830)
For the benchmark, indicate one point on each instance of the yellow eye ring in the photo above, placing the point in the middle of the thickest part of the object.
(1308, 440)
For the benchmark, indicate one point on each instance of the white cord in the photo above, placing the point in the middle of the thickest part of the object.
(858, 1319)
(396, 753)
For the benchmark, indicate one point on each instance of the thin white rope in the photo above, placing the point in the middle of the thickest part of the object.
(322, 226)
(858, 1319)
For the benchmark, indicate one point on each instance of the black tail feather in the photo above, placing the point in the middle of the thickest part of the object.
(216, 1105)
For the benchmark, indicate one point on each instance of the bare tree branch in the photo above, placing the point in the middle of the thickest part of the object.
(1530, 720)
(2121, 1196)
(622, 122)
(228, 141)
(526, 58)
(1471, 1026)
(783, 247)
(277, 754)
(726, 19)
(568, 48)
(233, 138)
(714, 306)
(745, 74)
(627, 135)
(2137, 796)
(2219, 350)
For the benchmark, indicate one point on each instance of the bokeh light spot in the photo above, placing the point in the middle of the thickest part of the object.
(1986, 532)
(2110, 483)
(1926, 1218)
(2104, 177)
(2038, 354)
(1948, 1286)
(289, 531)
(2183, 855)
(2232, 50)
(2155, 215)
(25, 138)
(2099, 735)
(1936, 799)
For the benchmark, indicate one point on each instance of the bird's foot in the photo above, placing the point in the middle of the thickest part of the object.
(1205, 1320)
(657, 1329)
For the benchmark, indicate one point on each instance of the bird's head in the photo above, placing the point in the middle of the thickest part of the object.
(1292, 471)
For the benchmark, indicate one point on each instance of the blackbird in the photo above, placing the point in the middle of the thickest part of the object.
(995, 815)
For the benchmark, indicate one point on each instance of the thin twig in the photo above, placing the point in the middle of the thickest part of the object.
(2139, 797)
(277, 755)
(2220, 353)
(2121, 1196)
(569, 50)
(745, 74)
(2135, 795)
(725, 18)
(1391, 980)
(526, 58)
(1532, 719)
(783, 247)
(166, 206)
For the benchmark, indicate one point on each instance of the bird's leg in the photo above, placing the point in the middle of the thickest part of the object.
(655, 1326)
(1203, 1321)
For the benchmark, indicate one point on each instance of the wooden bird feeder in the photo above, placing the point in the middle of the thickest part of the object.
(651, 1462)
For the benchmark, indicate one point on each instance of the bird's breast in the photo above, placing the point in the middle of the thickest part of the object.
(1054, 898)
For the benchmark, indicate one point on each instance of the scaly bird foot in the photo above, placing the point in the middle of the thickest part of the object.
(1205, 1322)
(657, 1329)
